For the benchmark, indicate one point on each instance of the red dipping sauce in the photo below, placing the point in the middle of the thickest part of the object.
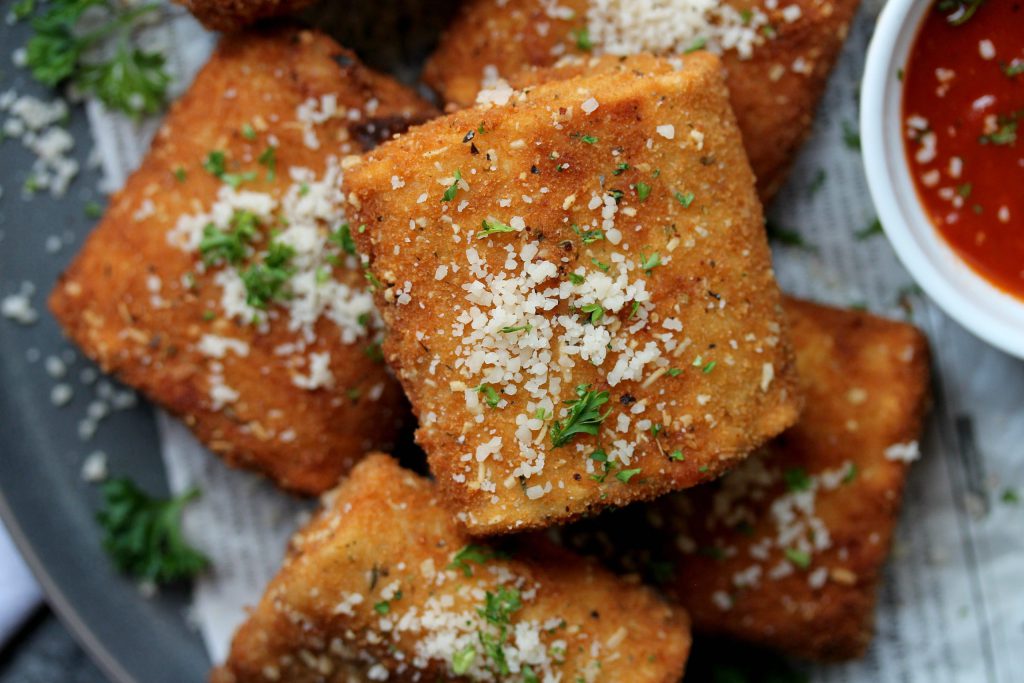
(963, 121)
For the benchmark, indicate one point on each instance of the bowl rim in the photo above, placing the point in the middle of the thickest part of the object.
(885, 164)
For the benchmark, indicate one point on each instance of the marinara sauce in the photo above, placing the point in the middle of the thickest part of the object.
(963, 118)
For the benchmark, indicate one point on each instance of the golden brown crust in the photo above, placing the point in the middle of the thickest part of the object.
(721, 550)
(386, 539)
(138, 305)
(714, 302)
(774, 93)
(232, 15)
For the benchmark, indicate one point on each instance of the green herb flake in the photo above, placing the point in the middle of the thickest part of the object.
(1010, 496)
(93, 209)
(800, 558)
(696, 45)
(625, 475)
(684, 198)
(584, 416)
(449, 194)
(709, 367)
(265, 282)
(603, 267)
(268, 159)
(463, 659)
(621, 168)
(575, 279)
(649, 263)
(516, 328)
(581, 36)
(595, 310)
(873, 228)
(677, 455)
(490, 394)
(490, 226)
(180, 174)
(674, 372)
(643, 191)
(851, 138)
(248, 132)
(143, 534)
(471, 554)
(343, 238)
(588, 236)
(796, 479)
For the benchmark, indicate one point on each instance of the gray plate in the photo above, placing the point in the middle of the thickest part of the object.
(45, 504)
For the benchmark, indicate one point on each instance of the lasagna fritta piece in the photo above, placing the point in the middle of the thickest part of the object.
(384, 582)
(787, 550)
(777, 55)
(222, 281)
(578, 293)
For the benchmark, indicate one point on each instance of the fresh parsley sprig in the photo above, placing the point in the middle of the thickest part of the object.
(143, 534)
(584, 416)
(101, 58)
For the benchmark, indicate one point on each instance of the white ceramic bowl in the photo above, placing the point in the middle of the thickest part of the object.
(966, 296)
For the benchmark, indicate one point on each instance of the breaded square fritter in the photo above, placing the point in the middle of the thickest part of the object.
(222, 281)
(777, 60)
(384, 581)
(232, 15)
(787, 550)
(579, 295)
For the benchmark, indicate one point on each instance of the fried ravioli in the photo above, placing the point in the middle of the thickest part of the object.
(221, 281)
(787, 550)
(384, 580)
(777, 60)
(578, 292)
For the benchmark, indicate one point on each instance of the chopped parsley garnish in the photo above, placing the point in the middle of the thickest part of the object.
(601, 457)
(219, 246)
(463, 659)
(785, 236)
(516, 328)
(374, 352)
(677, 455)
(851, 138)
(851, 473)
(1006, 134)
(684, 198)
(621, 168)
(625, 475)
(698, 44)
(798, 557)
(93, 209)
(215, 163)
(709, 367)
(1010, 496)
(490, 226)
(643, 191)
(595, 310)
(498, 610)
(1014, 68)
(872, 229)
(180, 174)
(268, 159)
(796, 479)
(617, 195)
(265, 282)
(603, 267)
(575, 279)
(589, 139)
(673, 372)
(343, 238)
(384, 606)
(584, 416)
(98, 54)
(581, 36)
(491, 396)
(588, 236)
(143, 534)
(475, 554)
(449, 194)
(248, 132)
(649, 263)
